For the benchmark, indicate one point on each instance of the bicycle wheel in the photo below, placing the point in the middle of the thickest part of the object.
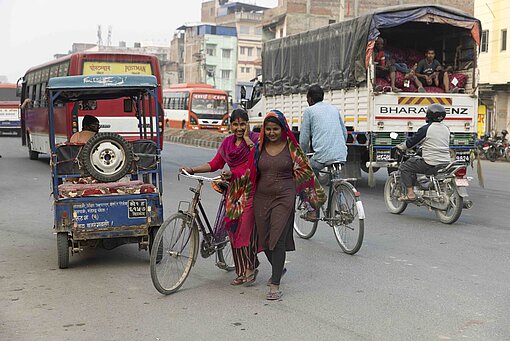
(305, 229)
(348, 218)
(224, 256)
(173, 253)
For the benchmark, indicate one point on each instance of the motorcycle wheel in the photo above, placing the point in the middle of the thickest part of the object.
(392, 191)
(452, 214)
(507, 154)
(491, 155)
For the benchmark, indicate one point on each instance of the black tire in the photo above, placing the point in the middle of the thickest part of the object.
(31, 154)
(452, 214)
(391, 170)
(364, 168)
(107, 157)
(491, 155)
(177, 242)
(63, 250)
(348, 218)
(152, 235)
(392, 191)
(304, 229)
(224, 256)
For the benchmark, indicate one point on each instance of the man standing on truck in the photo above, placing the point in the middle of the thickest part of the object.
(322, 128)
(429, 72)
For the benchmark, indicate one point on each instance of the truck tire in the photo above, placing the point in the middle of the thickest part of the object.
(107, 157)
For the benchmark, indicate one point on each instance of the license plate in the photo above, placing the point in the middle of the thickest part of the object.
(462, 156)
(137, 208)
(462, 182)
(383, 155)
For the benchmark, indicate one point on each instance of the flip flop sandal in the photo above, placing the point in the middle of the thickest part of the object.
(269, 281)
(274, 296)
(238, 281)
(249, 280)
(405, 198)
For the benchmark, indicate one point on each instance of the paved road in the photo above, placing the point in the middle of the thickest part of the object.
(413, 279)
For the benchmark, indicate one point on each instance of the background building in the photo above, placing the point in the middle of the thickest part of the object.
(494, 62)
(210, 55)
(295, 16)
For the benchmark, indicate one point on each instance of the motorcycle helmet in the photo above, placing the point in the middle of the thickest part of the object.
(435, 113)
(504, 132)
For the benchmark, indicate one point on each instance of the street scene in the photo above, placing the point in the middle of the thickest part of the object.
(287, 169)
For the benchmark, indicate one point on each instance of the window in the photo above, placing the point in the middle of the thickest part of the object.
(242, 50)
(225, 53)
(244, 29)
(211, 50)
(250, 51)
(503, 40)
(242, 69)
(248, 70)
(258, 31)
(258, 71)
(485, 41)
(225, 74)
(259, 51)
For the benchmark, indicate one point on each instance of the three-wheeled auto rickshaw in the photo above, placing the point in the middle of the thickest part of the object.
(107, 191)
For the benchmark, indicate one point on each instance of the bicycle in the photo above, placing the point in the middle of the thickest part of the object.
(343, 211)
(176, 244)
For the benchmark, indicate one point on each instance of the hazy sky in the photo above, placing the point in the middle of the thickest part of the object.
(32, 31)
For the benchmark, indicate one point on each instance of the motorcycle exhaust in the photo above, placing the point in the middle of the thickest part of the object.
(467, 204)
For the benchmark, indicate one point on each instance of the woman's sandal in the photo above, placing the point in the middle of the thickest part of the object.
(238, 281)
(274, 296)
(249, 280)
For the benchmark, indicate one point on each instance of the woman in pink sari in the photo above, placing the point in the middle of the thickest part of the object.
(234, 151)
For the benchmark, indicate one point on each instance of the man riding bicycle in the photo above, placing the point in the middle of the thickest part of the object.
(434, 138)
(324, 129)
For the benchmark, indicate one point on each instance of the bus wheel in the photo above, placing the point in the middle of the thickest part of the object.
(31, 154)
(107, 157)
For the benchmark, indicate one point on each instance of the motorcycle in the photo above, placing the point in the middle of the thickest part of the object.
(444, 191)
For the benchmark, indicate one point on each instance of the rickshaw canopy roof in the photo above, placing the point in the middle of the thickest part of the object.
(75, 88)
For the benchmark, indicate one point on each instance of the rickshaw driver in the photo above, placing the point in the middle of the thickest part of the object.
(90, 127)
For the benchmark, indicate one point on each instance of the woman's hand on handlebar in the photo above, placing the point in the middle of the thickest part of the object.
(226, 175)
(188, 170)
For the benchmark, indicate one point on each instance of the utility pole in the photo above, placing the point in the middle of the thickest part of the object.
(341, 16)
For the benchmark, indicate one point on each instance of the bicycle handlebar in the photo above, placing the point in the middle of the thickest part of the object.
(199, 177)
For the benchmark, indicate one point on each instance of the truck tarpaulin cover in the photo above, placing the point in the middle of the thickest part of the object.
(335, 56)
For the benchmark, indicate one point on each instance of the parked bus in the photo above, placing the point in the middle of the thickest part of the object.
(9, 109)
(115, 116)
(195, 106)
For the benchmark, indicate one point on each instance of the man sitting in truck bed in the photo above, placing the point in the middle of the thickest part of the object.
(90, 127)
(430, 72)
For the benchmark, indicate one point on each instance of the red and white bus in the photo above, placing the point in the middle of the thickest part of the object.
(114, 116)
(9, 109)
(195, 106)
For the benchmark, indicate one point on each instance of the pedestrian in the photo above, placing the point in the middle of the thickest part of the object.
(278, 170)
(234, 151)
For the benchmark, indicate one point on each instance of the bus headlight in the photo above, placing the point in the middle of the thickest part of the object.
(193, 120)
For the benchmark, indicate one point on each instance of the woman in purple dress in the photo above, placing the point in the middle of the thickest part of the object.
(234, 151)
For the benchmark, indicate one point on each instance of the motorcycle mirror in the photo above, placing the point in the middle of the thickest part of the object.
(393, 135)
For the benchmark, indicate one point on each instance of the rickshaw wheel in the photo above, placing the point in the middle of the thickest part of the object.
(63, 250)
(107, 157)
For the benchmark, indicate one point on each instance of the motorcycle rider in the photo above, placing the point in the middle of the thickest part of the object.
(434, 138)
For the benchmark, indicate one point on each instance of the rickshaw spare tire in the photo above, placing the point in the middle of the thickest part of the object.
(107, 157)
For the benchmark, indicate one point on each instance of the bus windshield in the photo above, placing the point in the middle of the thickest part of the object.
(209, 104)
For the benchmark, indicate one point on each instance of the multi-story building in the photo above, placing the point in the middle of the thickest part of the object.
(210, 55)
(295, 16)
(247, 19)
(493, 63)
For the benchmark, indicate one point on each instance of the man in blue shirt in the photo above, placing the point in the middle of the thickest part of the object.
(323, 126)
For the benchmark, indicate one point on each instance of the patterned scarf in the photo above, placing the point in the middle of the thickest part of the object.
(307, 186)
